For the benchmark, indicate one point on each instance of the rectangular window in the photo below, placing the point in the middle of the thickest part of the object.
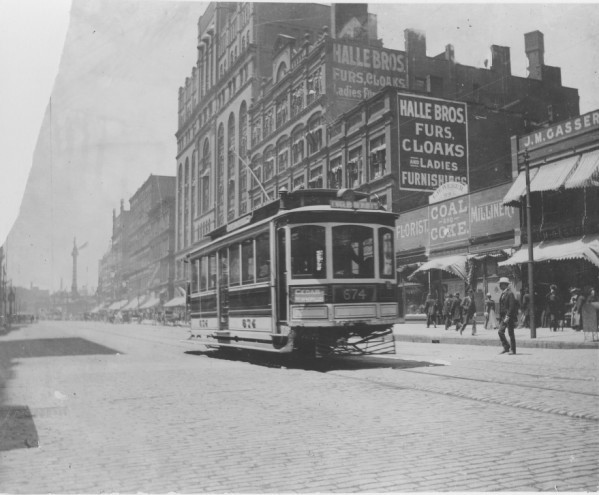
(308, 256)
(335, 173)
(203, 273)
(247, 262)
(354, 168)
(353, 253)
(315, 181)
(386, 253)
(195, 287)
(263, 257)
(234, 274)
(378, 158)
(211, 274)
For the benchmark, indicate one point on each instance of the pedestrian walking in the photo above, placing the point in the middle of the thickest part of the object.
(447, 305)
(508, 313)
(468, 312)
(525, 309)
(554, 307)
(430, 309)
(490, 317)
(456, 311)
(576, 302)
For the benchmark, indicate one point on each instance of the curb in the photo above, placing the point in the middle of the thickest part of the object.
(428, 339)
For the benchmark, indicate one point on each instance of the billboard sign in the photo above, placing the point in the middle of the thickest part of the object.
(358, 72)
(433, 142)
(456, 222)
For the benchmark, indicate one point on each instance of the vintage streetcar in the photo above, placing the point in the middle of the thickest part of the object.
(312, 272)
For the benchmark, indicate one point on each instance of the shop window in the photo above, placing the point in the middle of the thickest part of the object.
(378, 158)
(263, 257)
(353, 252)
(308, 257)
(247, 262)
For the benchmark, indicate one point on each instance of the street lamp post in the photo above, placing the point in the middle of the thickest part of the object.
(531, 292)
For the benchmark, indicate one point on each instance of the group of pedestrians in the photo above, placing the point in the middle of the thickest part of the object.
(455, 311)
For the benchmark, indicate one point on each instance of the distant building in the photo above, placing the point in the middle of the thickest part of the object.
(140, 260)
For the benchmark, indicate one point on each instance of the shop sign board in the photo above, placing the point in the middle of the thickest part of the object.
(358, 72)
(454, 222)
(448, 190)
(488, 215)
(563, 130)
(433, 142)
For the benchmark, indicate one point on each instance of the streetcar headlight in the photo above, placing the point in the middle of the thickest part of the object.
(301, 295)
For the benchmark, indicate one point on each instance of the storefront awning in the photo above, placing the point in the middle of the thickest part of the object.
(518, 189)
(587, 172)
(135, 303)
(150, 303)
(175, 301)
(586, 248)
(115, 306)
(453, 264)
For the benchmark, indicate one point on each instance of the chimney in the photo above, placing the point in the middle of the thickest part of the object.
(450, 53)
(500, 60)
(534, 47)
(122, 205)
(415, 41)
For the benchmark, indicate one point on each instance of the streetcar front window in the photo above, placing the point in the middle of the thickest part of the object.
(308, 258)
(195, 287)
(386, 253)
(203, 274)
(353, 251)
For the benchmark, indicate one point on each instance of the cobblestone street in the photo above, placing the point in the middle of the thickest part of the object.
(126, 408)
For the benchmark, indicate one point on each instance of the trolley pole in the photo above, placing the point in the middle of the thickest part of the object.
(531, 291)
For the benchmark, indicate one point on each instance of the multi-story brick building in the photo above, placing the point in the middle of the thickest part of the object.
(303, 105)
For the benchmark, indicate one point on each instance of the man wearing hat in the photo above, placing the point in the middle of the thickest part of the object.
(554, 307)
(508, 314)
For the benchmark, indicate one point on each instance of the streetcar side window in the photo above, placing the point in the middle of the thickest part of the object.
(212, 271)
(308, 256)
(195, 280)
(247, 262)
(353, 252)
(263, 257)
(386, 253)
(223, 268)
(234, 275)
(203, 282)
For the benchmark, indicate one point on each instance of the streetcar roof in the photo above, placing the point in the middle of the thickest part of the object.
(278, 209)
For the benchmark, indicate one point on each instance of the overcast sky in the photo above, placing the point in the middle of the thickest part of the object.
(112, 69)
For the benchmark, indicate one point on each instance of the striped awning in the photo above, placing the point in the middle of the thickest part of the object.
(453, 264)
(587, 172)
(514, 196)
(586, 248)
(175, 301)
(135, 303)
(150, 303)
(115, 306)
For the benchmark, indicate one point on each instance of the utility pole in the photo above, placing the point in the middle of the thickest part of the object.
(531, 291)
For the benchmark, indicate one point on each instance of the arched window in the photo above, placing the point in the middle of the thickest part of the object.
(220, 176)
(243, 173)
(282, 154)
(281, 71)
(231, 172)
(297, 145)
(269, 163)
(180, 205)
(314, 134)
(186, 205)
(193, 186)
(205, 176)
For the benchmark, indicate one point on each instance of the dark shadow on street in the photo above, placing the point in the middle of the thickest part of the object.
(323, 365)
(17, 426)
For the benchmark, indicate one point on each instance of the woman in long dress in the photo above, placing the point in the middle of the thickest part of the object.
(490, 318)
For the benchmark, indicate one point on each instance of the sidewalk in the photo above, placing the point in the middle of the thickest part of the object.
(566, 339)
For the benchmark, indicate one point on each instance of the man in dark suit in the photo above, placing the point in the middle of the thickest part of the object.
(508, 314)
